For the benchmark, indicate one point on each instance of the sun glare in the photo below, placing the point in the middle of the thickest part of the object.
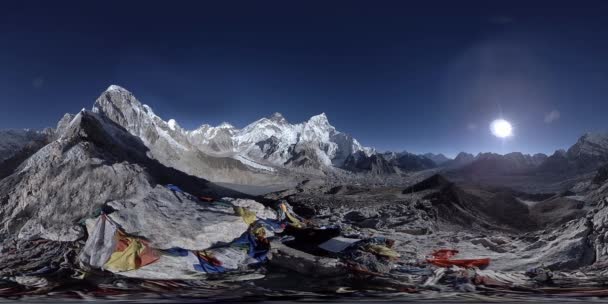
(501, 128)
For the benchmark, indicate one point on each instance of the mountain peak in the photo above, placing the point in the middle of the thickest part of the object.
(225, 125)
(117, 96)
(277, 117)
(114, 87)
(319, 119)
(464, 157)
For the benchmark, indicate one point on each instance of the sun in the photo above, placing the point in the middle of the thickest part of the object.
(501, 128)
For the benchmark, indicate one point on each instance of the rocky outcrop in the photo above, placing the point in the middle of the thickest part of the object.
(600, 232)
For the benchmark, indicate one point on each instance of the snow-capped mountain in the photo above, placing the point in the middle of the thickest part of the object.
(274, 141)
(123, 108)
(262, 147)
(168, 143)
(213, 140)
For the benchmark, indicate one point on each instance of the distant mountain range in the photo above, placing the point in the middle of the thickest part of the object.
(273, 150)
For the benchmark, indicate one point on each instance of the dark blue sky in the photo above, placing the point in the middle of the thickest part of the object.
(393, 74)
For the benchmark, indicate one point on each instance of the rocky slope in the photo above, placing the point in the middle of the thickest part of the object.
(93, 162)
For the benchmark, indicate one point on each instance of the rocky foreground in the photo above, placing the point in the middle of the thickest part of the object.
(330, 242)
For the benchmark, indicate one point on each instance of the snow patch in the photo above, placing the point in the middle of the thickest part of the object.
(253, 164)
(172, 124)
(115, 88)
(225, 125)
(528, 203)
